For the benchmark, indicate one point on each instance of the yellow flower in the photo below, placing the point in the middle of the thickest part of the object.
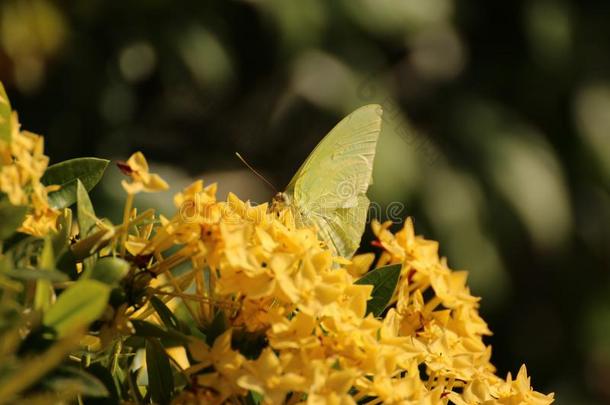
(294, 333)
(10, 184)
(360, 264)
(39, 224)
(227, 366)
(519, 390)
(136, 167)
(22, 165)
(266, 376)
(493, 390)
(329, 385)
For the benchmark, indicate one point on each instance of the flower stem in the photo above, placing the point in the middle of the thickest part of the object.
(126, 213)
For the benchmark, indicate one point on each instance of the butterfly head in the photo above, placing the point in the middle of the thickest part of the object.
(280, 202)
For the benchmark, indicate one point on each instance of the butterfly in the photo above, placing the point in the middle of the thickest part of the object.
(329, 189)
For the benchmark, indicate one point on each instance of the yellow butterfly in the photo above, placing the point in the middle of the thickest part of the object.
(329, 189)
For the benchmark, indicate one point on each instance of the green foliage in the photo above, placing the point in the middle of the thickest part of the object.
(53, 276)
(216, 327)
(383, 280)
(150, 330)
(103, 374)
(47, 304)
(110, 270)
(11, 217)
(254, 398)
(74, 379)
(66, 174)
(86, 221)
(167, 317)
(77, 307)
(44, 290)
(160, 378)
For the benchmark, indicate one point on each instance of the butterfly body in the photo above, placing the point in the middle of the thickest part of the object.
(329, 189)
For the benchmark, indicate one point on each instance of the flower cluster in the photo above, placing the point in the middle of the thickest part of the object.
(22, 164)
(279, 288)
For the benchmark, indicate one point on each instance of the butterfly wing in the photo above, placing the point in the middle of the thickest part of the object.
(329, 189)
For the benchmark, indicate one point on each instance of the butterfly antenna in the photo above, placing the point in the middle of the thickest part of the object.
(260, 176)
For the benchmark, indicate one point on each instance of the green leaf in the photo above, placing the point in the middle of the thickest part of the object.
(254, 398)
(84, 247)
(11, 218)
(77, 307)
(6, 262)
(188, 325)
(72, 379)
(167, 317)
(61, 239)
(36, 274)
(383, 280)
(44, 290)
(18, 242)
(216, 328)
(46, 260)
(84, 210)
(86, 221)
(6, 124)
(103, 374)
(150, 330)
(160, 379)
(67, 264)
(88, 170)
(110, 270)
(134, 391)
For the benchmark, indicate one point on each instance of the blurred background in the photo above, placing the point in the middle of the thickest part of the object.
(496, 134)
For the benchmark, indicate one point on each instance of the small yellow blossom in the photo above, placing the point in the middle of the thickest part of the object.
(227, 365)
(136, 167)
(328, 385)
(267, 376)
(22, 165)
(360, 264)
